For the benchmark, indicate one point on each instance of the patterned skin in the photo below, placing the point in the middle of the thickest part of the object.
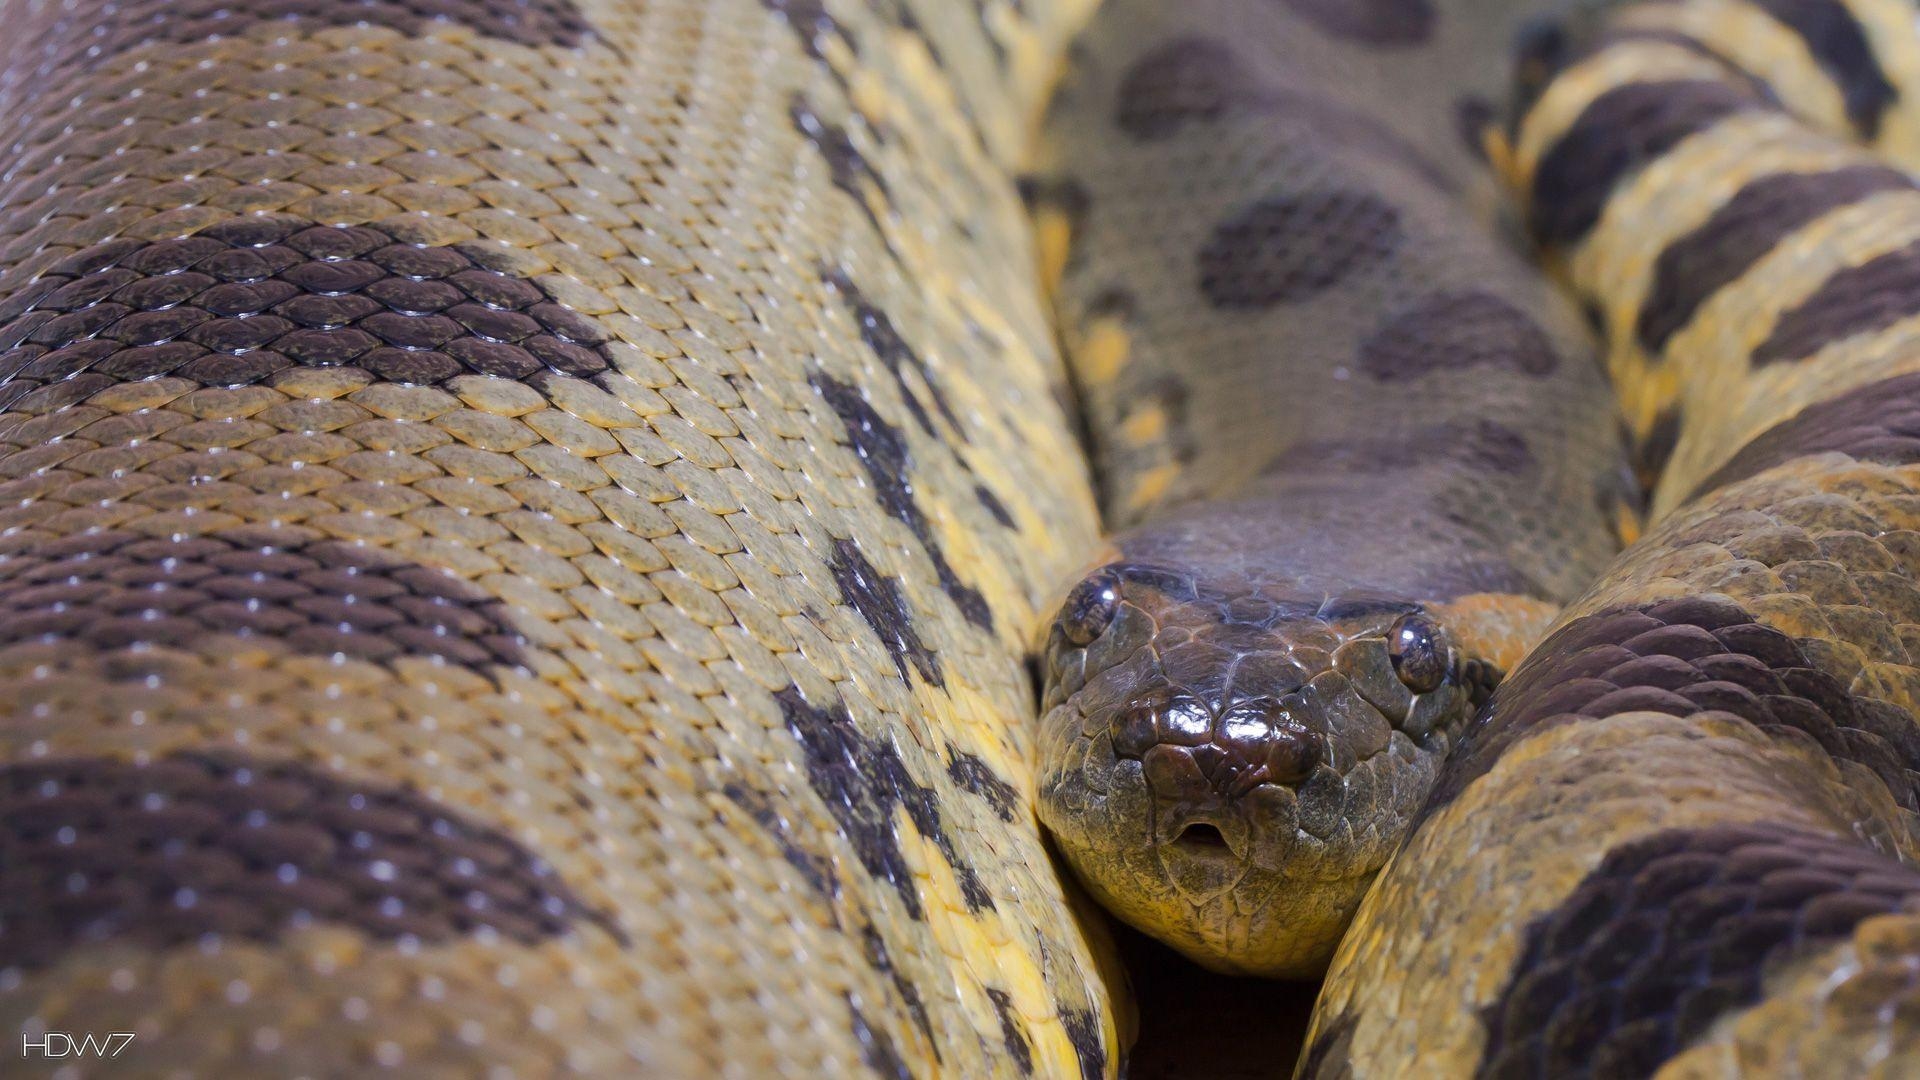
(1679, 840)
(457, 611)
(1356, 451)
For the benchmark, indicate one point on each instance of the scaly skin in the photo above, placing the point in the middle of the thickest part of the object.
(1677, 841)
(1328, 407)
(456, 610)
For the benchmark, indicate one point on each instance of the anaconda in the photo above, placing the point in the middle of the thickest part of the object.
(1356, 450)
(518, 526)
(1680, 840)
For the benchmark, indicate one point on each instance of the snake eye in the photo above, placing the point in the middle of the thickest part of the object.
(1419, 653)
(1089, 608)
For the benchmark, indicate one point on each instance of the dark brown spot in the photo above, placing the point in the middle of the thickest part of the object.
(1191, 79)
(99, 850)
(1480, 444)
(863, 781)
(1839, 45)
(1382, 23)
(1199, 79)
(1618, 134)
(92, 33)
(975, 776)
(1446, 332)
(883, 452)
(253, 296)
(1698, 265)
(113, 590)
(1855, 300)
(1878, 422)
(1670, 933)
(1286, 249)
(1681, 657)
(1013, 1035)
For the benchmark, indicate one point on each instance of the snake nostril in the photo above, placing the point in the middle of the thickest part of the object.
(1292, 754)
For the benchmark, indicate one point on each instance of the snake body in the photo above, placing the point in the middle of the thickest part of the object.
(1356, 449)
(518, 523)
(1680, 838)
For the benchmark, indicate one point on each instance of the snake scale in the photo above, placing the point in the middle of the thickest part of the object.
(520, 519)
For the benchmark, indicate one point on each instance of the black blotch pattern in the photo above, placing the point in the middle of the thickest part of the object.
(883, 607)
(1449, 331)
(1083, 1031)
(1380, 23)
(1196, 79)
(1619, 132)
(1012, 1035)
(816, 868)
(863, 781)
(978, 778)
(1878, 422)
(1651, 453)
(993, 505)
(160, 854)
(113, 590)
(810, 23)
(1745, 228)
(1681, 657)
(874, 946)
(878, 331)
(252, 296)
(1839, 45)
(876, 1046)
(1670, 933)
(1327, 1056)
(848, 167)
(1855, 300)
(1288, 248)
(882, 450)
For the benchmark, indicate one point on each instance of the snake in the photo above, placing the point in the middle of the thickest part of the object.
(519, 522)
(1680, 839)
(1355, 451)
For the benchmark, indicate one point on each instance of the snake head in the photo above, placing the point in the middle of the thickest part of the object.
(1227, 759)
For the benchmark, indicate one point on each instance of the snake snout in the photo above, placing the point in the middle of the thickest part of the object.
(1198, 762)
